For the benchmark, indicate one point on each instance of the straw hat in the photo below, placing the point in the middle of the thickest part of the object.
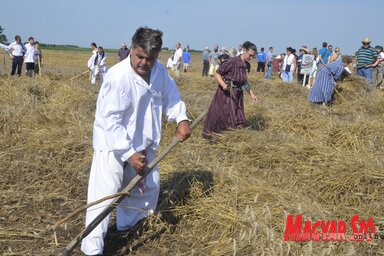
(305, 49)
(366, 40)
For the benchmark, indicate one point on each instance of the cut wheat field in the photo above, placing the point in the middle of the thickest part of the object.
(231, 197)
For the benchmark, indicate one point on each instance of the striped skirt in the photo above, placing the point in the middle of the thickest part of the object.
(225, 112)
(322, 90)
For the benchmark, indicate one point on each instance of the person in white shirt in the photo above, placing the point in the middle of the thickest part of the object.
(135, 94)
(288, 66)
(99, 65)
(177, 58)
(91, 60)
(16, 52)
(29, 56)
(170, 62)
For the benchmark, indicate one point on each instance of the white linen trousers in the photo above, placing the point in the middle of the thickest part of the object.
(107, 177)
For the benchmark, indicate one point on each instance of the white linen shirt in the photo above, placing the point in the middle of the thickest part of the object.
(91, 60)
(30, 53)
(178, 57)
(17, 49)
(101, 63)
(128, 110)
(288, 60)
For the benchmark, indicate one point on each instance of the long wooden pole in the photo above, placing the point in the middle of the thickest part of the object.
(76, 241)
(78, 75)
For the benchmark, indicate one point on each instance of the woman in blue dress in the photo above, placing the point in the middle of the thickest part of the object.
(322, 90)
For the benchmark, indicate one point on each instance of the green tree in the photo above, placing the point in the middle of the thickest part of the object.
(3, 38)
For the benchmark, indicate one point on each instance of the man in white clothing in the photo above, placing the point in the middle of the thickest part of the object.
(177, 57)
(136, 92)
(29, 56)
(91, 60)
(99, 65)
(16, 52)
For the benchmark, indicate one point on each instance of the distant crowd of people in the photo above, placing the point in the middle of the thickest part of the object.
(318, 70)
(305, 66)
(29, 53)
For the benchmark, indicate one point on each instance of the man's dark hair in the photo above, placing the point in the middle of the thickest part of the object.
(325, 44)
(94, 44)
(148, 39)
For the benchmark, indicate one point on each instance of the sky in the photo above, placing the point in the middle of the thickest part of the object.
(199, 23)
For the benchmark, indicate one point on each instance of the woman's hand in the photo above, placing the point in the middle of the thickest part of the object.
(253, 96)
(221, 82)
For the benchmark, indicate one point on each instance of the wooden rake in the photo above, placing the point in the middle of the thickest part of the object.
(76, 241)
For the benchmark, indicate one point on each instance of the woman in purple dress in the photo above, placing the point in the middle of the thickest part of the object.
(227, 107)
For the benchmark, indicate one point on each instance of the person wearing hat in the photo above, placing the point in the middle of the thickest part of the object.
(123, 52)
(366, 56)
(223, 56)
(29, 56)
(205, 61)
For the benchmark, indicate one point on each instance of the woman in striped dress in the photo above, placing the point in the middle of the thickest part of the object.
(322, 90)
(227, 108)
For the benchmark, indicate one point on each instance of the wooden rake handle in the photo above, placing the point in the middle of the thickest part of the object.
(78, 75)
(76, 241)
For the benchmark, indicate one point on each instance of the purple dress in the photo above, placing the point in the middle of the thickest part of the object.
(226, 110)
